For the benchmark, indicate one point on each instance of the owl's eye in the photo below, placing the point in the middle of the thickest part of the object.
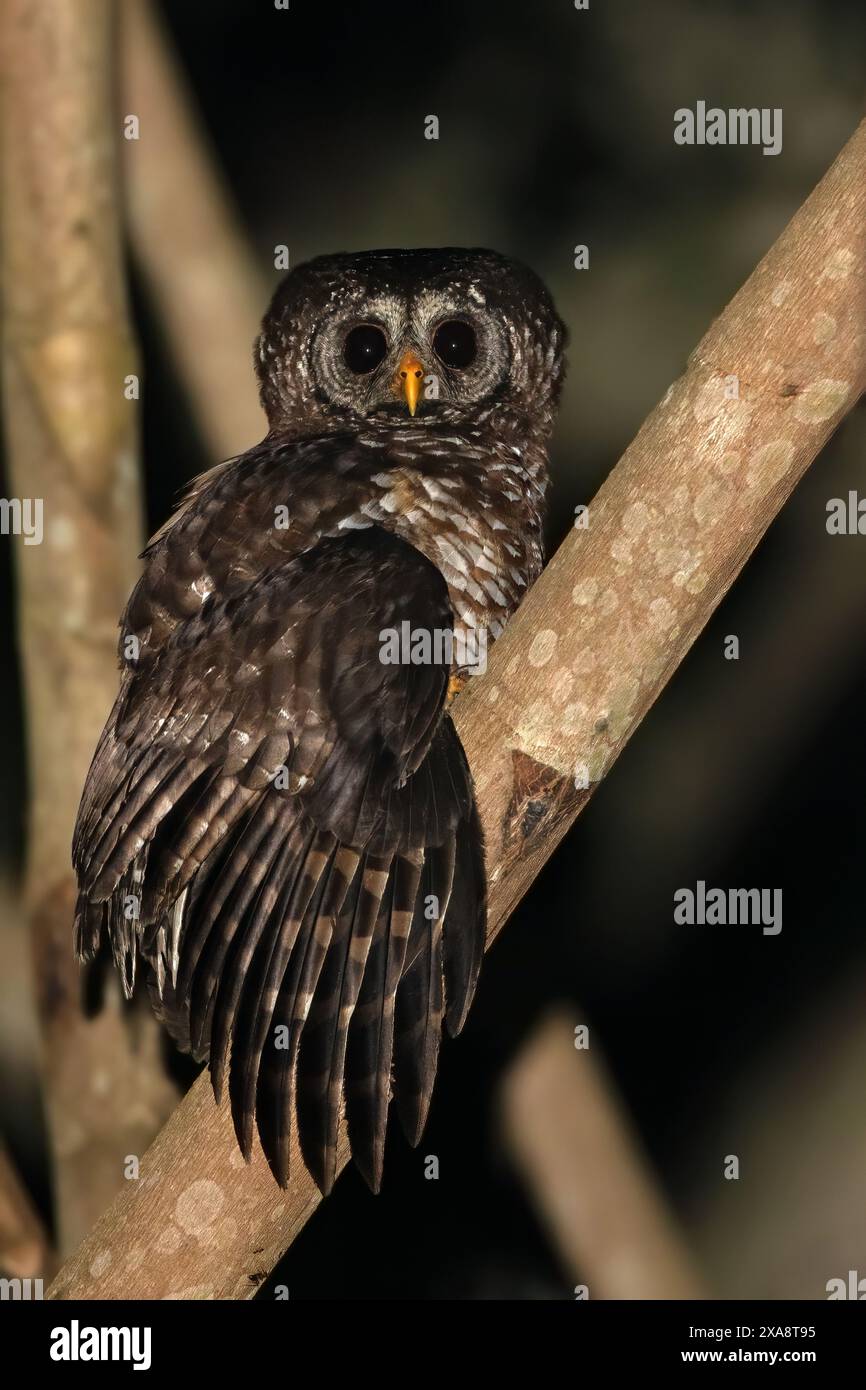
(364, 348)
(454, 343)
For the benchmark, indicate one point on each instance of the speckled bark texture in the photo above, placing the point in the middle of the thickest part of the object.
(71, 436)
(623, 600)
(577, 669)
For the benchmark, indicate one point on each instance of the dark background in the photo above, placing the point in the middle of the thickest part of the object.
(556, 128)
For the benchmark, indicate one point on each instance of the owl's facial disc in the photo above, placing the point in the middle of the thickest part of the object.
(480, 328)
(407, 354)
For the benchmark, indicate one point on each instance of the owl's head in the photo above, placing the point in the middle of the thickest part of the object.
(409, 337)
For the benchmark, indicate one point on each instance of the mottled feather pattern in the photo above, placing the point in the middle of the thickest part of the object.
(279, 825)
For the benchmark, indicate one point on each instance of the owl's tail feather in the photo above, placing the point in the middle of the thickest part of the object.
(275, 1098)
(446, 951)
(418, 1029)
(312, 975)
(322, 1055)
(371, 1031)
(247, 990)
(279, 964)
(222, 908)
(465, 923)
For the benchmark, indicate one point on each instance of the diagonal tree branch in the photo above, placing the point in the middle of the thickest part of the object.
(569, 682)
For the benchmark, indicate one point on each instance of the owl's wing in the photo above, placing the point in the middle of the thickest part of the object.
(283, 824)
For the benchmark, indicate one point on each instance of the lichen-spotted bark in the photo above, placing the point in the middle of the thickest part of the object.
(622, 601)
(578, 667)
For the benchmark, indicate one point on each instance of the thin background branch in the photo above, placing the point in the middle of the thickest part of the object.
(202, 276)
(574, 1148)
(71, 436)
(25, 1250)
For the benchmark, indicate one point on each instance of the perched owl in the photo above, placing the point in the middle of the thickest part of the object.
(279, 819)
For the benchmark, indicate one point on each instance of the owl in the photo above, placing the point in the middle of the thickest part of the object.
(279, 829)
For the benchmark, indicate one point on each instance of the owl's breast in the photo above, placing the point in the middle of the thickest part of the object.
(477, 518)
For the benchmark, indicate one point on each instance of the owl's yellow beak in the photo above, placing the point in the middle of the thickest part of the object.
(410, 379)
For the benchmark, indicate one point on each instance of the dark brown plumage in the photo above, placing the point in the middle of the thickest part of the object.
(277, 820)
